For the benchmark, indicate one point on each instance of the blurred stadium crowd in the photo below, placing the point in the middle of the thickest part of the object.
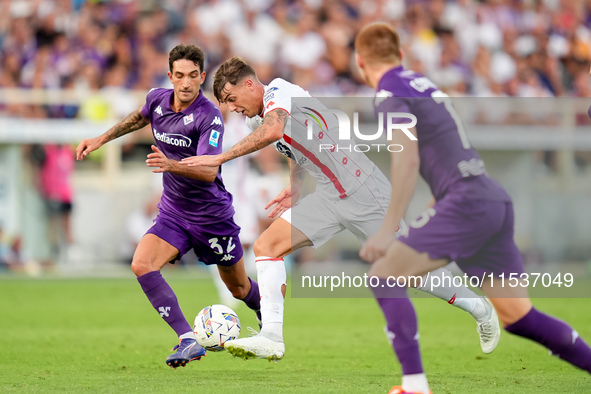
(488, 48)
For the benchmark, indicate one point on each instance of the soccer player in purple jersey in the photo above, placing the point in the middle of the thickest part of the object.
(195, 210)
(470, 222)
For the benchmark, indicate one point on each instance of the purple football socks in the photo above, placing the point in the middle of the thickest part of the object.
(164, 301)
(253, 298)
(401, 325)
(556, 335)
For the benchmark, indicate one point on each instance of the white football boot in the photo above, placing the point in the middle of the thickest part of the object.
(257, 346)
(488, 328)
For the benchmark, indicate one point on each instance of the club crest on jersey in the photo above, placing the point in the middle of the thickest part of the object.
(213, 138)
(158, 110)
(188, 119)
(216, 121)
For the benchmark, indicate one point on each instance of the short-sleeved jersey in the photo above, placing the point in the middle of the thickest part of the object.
(338, 173)
(195, 131)
(448, 162)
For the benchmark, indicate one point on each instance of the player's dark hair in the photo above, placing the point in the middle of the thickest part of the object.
(232, 70)
(378, 42)
(190, 52)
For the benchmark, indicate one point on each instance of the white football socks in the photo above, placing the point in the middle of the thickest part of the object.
(415, 383)
(271, 276)
(440, 284)
(186, 335)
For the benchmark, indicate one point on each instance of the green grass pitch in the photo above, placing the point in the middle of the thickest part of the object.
(102, 335)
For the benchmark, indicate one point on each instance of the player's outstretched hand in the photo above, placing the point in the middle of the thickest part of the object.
(283, 200)
(376, 246)
(158, 160)
(88, 145)
(206, 160)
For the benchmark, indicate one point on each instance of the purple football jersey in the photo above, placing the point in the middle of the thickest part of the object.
(448, 163)
(195, 131)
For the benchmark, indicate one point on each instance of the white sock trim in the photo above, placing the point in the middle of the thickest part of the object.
(441, 284)
(187, 335)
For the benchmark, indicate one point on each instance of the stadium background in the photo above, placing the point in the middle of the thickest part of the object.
(69, 69)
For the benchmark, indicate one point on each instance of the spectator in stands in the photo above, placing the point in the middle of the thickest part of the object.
(56, 189)
(302, 50)
(53, 42)
(262, 29)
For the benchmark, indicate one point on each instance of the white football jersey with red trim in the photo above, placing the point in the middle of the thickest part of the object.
(338, 172)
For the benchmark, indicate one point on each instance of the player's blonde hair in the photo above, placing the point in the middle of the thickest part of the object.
(378, 43)
(232, 70)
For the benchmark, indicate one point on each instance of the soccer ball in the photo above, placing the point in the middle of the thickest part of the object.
(215, 325)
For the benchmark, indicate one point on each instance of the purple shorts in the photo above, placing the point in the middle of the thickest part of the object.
(476, 234)
(216, 243)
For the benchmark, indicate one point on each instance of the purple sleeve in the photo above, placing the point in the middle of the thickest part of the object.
(395, 105)
(146, 112)
(211, 133)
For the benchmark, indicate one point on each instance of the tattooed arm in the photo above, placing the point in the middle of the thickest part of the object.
(133, 121)
(270, 131)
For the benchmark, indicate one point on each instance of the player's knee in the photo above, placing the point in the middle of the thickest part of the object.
(267, 245)
(140, 267)
(258, 248)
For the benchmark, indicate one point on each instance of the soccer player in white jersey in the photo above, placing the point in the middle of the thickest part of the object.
(237, 177)
(352, 193)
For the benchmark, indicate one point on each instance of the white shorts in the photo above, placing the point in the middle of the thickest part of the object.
(362, 213)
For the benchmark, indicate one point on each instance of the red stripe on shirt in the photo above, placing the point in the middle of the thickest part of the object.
(325, 170)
